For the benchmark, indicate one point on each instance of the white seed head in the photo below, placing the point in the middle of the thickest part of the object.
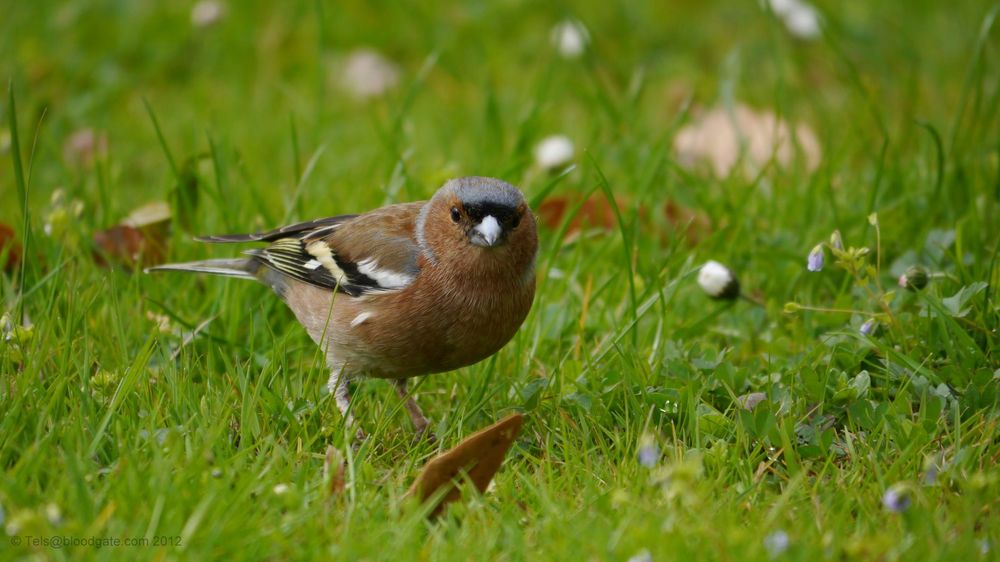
(570, 38)
(554, 152)
(207, 13)
(368, 74)
(803, 22)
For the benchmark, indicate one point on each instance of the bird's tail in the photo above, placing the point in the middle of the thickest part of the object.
(239, 267)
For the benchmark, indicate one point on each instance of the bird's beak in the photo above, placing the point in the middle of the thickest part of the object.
(487, 232)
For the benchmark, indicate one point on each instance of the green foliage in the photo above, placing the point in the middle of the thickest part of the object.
(857, 421)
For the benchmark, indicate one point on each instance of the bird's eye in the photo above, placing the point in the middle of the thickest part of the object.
(455, 214)
(515, 221)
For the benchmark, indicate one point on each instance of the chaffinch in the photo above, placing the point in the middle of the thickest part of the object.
(402, 291)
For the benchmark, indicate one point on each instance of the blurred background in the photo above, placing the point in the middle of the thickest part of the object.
(384, 101)
(650, 138)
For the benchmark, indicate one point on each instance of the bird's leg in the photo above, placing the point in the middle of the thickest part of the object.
(420, 422)
(338, 387)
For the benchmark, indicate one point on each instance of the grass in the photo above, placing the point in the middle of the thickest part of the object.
(125, 415)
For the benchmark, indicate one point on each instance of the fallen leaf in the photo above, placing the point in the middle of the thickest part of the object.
(477, 458)
(594, 214)
(10, 248)
(333, 469)
(724, 137)
(139, 241)
(597, 214)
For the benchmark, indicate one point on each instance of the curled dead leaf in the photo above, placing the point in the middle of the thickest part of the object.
(128, 246)
(477, 459)
(139, 241)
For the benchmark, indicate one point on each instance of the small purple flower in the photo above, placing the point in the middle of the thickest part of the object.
(897, 498)
(648, 456)
(868, 327)
(776, 543)
(930, 475)
(649, 452)
(836, 242)
(815, 260)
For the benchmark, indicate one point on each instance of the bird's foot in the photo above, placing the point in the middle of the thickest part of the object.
(424, 434)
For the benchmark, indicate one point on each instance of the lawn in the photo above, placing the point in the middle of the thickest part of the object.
(827, 413)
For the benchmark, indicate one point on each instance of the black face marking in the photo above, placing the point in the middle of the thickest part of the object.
(504, 214)
(483, 197)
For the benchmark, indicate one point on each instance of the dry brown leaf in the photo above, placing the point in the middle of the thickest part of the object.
(9, 247)
(333, 468)
(132, 247)
(477, 458)
(139, 241)
(595, 213)
(722, 136)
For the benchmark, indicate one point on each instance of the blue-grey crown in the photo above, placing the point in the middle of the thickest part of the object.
(486, 196)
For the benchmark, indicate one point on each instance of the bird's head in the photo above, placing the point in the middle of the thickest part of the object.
(478, 218)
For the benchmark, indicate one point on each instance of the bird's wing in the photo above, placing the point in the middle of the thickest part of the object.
(292, 230)
(363, 254)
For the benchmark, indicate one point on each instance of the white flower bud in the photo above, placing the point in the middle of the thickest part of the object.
(554, 152)
(718, 281)
(570, 38)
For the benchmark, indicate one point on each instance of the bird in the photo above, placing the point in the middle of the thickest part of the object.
(402, 291)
